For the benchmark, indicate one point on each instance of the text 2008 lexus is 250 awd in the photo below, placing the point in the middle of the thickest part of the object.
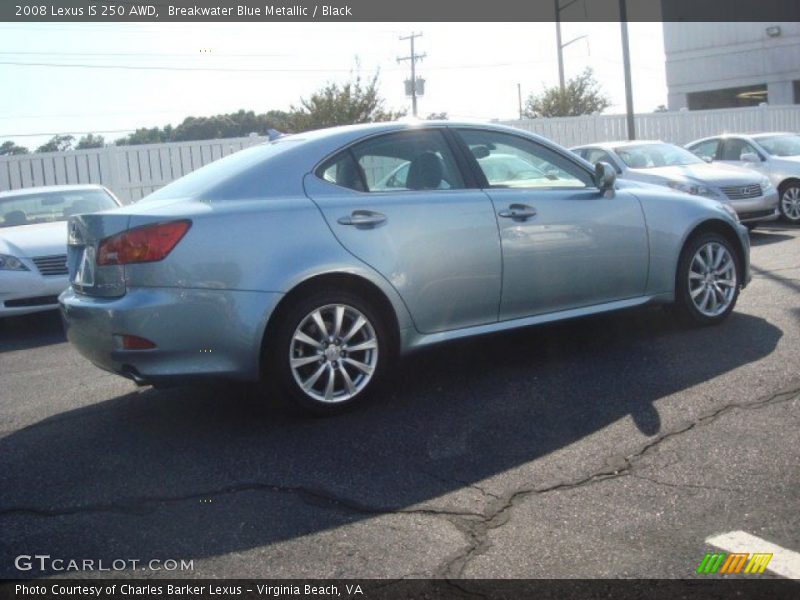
(294, 261)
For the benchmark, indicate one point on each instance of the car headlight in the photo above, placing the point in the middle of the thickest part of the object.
(766, 184)
(729, 209)
(11, 263)
(694, 190)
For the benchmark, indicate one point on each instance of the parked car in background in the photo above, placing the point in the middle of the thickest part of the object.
(775, 155)
(295, 262)
(33, 242)
(751, 194)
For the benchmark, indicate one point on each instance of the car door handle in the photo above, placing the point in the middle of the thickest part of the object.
(518, 212)
(363, 217)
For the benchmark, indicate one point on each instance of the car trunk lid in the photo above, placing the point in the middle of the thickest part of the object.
(85, 232)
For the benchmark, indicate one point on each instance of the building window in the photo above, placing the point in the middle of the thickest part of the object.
(797, 91)
(751, 95)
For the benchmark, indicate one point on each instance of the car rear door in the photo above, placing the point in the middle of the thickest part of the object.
(401, 203)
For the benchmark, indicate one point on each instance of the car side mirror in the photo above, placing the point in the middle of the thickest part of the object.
(708, 159)
(604, 176)
(750, 157)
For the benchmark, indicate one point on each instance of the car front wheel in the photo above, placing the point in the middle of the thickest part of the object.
(790, 203)
(708, 279)
(330, 352)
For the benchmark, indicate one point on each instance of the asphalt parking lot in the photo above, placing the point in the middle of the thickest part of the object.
(607, 447)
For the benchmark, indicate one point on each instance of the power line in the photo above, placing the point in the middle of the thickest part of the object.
(70, 132)
(256, 70)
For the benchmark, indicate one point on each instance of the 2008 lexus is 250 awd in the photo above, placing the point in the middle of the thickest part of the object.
(313, 260)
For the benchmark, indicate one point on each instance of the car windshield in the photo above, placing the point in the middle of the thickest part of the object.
(48, 207)
(650, 156)
(781, 145)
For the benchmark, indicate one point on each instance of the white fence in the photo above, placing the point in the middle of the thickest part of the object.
(675, 127)
(132, 172)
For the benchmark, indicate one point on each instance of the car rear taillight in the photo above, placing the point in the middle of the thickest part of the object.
(133, 342)
(148, 243)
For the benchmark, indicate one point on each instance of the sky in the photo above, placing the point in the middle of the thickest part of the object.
(160, 73)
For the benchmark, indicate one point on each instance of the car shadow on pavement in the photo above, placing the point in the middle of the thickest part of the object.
(31, 331)
(201, 472)
(764, 237)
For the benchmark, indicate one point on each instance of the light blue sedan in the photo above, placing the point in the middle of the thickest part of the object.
(294, 262)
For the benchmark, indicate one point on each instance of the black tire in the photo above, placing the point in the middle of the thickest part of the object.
(284, 378)
(684, 302)
(791, 188)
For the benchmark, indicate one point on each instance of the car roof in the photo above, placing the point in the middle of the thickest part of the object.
(45, 189)
(755, 136)
(345, 134)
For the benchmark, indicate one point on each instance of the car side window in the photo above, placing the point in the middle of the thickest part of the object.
(404, 161)
(507, 160)
(707, 149)
(735, 147)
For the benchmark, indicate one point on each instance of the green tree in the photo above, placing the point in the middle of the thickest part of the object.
(582, 95)
(143, 135)
(57, 143)
(341, 104)
(10, 148)
(91, 141)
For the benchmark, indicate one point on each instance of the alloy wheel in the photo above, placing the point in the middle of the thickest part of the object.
(712, 279)
(790, 203)
(333, 353)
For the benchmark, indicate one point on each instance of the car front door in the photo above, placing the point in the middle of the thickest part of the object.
(565, 243)
(740, 152)
(400, 203)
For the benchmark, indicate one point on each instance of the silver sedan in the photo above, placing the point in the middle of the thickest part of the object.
(294, 262)
(750, 194)
(775, 155)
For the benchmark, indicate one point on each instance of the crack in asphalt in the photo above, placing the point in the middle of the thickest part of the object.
(499, 513)
(311, 496)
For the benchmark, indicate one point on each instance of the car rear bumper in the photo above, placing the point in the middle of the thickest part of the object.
(197, 332)
(757, 210)
(23, 292)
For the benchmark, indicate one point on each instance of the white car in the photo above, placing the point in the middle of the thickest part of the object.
(749, 193)
(776, 155)
(33, 242)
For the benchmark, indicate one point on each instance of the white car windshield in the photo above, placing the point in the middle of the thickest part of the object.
(781, 145)
(48, 207)
(650, 156)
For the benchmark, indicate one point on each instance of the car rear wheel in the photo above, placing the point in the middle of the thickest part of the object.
(708, 279)
(790, 202)
(329, 353)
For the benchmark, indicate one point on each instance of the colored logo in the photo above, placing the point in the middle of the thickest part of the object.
(733, 563)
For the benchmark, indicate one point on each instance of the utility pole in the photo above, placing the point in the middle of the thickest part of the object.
(559, 45)
(412, 58)
(519, 99)
(626, 65)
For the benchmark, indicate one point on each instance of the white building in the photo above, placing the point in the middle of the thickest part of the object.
(724, 65)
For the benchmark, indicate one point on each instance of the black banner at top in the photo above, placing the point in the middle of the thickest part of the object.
(395, 10)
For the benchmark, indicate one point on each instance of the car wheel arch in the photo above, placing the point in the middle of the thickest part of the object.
(339, 281)
(786, 183)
